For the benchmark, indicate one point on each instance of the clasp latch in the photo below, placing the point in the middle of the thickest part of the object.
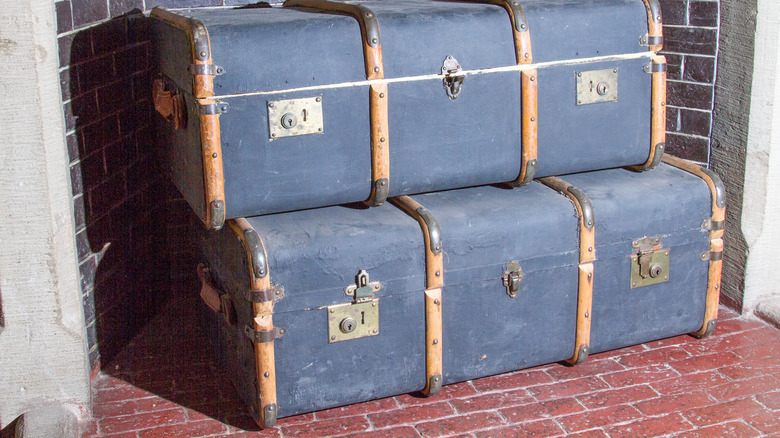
(452, 82)
(512, 277)
(650, 265)
(363, 290)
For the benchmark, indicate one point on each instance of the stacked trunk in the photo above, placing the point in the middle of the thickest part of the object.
(392, 109)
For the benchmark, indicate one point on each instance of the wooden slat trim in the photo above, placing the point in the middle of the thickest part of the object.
(213, 176)
(716, 239)
(654, 25)
(265, 367)
(372, 54)
(657, 115)
(530, 136)
(434, 274)
(587, 234)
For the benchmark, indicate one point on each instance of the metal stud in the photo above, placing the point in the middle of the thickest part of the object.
(267, 374)
(435, 341)
(381, 95)
(318, 99)
(436, 302)
(214, 155)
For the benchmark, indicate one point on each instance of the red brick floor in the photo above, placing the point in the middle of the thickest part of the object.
(165, 384)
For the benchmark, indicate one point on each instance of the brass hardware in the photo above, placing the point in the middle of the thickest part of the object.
(512, 277)
(288, 118)
(651, 264)
(353, 320)
(363, 289)
(452, 84)
(597, 86)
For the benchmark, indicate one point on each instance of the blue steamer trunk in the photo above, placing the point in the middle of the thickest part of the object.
(452, 94)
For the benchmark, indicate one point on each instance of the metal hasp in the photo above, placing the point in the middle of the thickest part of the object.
(452, 82)
(359, 318)
(512, 277)
(288, 118)
(651, 264)
(597, 86)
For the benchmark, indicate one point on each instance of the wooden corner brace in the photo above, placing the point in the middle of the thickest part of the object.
(587, 257)
(434, 274)
(717, 222)
(372, 53)
(262, 322)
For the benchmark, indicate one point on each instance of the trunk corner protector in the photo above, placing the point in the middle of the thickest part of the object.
(653, 161)
(216, 214)
(707, 330)
(654, 10)
(269, 415)
(585, 205)
(720, 188)
(434, 230)
(582, 355)
(434, 385)
(365, 16)
(257, 252)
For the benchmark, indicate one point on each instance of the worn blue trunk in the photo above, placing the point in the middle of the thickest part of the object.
(434, 142)
(315, 254)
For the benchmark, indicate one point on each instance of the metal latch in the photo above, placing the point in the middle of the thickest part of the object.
(363, 289)
(651, 264)
(288, 118)
(452, 84)
(359, 318)
(597, 86)
(512, 277)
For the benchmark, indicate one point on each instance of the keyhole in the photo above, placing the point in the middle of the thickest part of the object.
(362, 317)
(304, 114)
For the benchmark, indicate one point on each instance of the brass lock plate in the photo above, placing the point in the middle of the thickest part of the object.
(597, 86)
(353, 320)
(288, 118)
(659, 266)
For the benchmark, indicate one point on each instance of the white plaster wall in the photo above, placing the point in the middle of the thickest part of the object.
(43, 358)
(761, 202)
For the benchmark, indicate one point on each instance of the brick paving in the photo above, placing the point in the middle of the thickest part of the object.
(164, 383)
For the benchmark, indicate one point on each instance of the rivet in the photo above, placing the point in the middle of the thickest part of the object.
(658, 18)
(273, 135)
(332, 338)
(374, 40)
(436, 302)
(375, 331)
(373, 304)
(666, 277)
(527, 55)
(587, 315)
(332, 310)
(590, 249)
(435, 341)
(381, 95)
(270, 104)
(270, 408)
(383, 183)
(633, 284)
(533, 78)
(267, 374)
(590, 223)
(438, 273)
(579, 74)
(533, 119)
(203, 54)
(663, 103)
(282, 331)
(214, 155)
(579, 101)
(318, 99)
(376, 69)
(590, 276)
(449, 57)
(382, 139)
(319, 129)
(614, 70)
(368, 14)
(523, 26)
(262, 271)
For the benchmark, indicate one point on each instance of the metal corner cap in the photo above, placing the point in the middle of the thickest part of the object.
(370, 24)
(434, 385)
(256, 251)
(585, 205)
(269, 415)
(720, 189)
(654, 10)
(434, 230)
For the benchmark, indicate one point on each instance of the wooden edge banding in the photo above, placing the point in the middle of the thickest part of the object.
(587, 234)
(434, 274)
(716, 239)
(529, 128)
(263, 321)
(584, 308)
(433, 344)
(654, 25)
(369, 27)
(380, 140)
(658, 111)
(200, 47)
(213, 177)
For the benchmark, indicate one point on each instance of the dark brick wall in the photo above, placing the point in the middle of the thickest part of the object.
(690, 46)
(132, 226)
